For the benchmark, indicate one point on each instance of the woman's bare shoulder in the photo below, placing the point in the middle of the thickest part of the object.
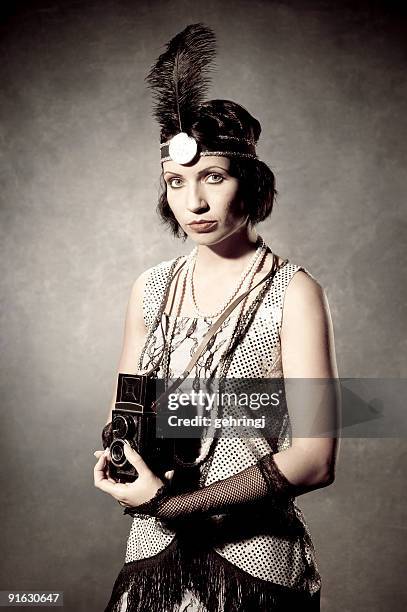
(304, 288)
(162, 266)
(307, 338)
(139, 285)
(306, 309)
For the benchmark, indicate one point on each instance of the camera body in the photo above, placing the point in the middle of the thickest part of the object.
(134, 420)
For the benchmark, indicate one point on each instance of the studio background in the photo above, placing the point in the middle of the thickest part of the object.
(79, 184)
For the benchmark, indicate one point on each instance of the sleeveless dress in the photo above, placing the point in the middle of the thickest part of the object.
(261, 569)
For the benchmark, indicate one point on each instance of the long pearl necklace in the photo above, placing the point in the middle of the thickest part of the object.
(252, 265)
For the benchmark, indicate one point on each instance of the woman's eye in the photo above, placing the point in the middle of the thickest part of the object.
(214, 178)
(175, 182)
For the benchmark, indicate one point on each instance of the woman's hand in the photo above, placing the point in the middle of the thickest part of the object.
(130, 493)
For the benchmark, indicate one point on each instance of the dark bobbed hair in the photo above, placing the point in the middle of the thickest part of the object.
(256, 180)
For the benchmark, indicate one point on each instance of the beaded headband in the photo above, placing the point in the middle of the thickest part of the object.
(183, 148)
(179, 80)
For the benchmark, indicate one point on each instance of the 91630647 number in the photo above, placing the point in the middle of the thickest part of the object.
(31, 598)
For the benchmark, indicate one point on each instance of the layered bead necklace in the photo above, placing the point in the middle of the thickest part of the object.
(252, 265)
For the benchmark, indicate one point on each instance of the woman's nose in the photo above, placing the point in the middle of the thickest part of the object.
(196, 200)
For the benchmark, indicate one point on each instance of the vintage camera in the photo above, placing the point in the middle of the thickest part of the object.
(134, 420)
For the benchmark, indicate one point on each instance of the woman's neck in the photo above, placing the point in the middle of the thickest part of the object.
(229, 256)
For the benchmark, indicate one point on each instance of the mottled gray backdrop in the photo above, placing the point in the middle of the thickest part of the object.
(79, 183)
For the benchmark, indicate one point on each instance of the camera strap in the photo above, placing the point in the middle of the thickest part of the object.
(212, 330)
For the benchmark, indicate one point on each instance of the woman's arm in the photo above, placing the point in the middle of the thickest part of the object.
(135, 332)
(310, 372)
(307, 353)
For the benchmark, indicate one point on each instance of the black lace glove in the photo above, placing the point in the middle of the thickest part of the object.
(262, 481)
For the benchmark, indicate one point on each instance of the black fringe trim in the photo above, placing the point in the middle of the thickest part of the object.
(158, 584)
(153, 584)
(223, 587)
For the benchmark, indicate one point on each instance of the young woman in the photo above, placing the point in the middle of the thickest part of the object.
(227, 535)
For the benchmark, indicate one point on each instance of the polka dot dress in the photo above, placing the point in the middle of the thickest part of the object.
(287, 561)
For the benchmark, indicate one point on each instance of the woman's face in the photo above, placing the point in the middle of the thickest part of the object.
(204, 199)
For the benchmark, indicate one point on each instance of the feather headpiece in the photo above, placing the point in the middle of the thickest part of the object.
(179, 81)
(180, 78)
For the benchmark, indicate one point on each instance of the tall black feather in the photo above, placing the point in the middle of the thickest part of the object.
(179, 79)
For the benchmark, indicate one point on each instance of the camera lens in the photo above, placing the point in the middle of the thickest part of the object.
(117, 453)
(120, 426)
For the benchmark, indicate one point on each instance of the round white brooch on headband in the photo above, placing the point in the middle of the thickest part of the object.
(182, 148)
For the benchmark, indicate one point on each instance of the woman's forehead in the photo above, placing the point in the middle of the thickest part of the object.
(206, 161)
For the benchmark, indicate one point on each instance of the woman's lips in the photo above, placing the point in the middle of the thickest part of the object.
(202, 226)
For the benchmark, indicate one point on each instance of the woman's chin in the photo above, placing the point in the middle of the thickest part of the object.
(209, 238)
(206, 239)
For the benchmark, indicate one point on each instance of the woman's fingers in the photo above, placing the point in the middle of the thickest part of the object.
(127, 494)
(98, 454)
(102, 482)
(132, 457)
(115, 489)
(99, 471)
(135, 459)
